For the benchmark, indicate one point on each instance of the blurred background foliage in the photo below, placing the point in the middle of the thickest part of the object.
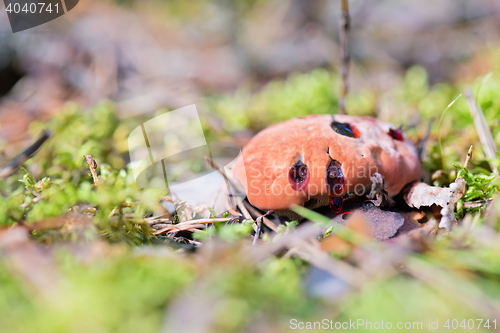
(247, 65)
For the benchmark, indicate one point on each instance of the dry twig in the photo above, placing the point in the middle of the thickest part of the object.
(10, 168)
(250, 209)
(93, 167)
(228, 185)
(475, 204)
(190, 224)
(421, 148)
(259, 226)
(468, 158)
(344, 66)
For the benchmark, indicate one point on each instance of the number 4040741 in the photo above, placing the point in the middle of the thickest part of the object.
(471, 324)
(32, 8)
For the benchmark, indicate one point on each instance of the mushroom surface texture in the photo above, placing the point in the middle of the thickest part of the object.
(324, 158)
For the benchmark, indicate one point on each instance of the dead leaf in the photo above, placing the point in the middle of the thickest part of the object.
(421, 194)
(382, 224)
(378, 195)
(416, 240)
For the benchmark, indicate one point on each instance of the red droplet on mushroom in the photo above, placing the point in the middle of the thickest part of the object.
(396, 134)
(336, 184)
(335, 179)
(298, 176)
(336, 204)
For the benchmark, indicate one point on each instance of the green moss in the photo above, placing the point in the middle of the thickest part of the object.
(130, 289)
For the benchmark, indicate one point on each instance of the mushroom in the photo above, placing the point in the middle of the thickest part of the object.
(321, 159)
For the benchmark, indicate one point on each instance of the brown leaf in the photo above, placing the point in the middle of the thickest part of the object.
(382, 224)
(378, 195)
(421, 194)
(416, 240)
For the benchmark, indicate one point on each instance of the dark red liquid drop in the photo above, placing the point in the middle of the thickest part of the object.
(336, 204)
(336, 183)
(396, 134)
(335, 179)
(298, 176)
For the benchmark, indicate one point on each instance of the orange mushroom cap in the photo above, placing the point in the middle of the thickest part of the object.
(291, 162)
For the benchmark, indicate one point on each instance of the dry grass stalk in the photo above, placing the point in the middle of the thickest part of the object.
(250, 209)
(483, 131)
(468, 158)
(10, 168)
(344, 53)
(92, 166)
(191, 224)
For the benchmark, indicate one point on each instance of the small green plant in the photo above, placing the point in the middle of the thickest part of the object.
(480, 187)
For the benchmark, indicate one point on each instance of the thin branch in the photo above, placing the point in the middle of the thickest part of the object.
(92, 166)
(191, 224)
(253, 211)
(475, 204)
(259, 226)
(158, 219)
(421, 148)
(468, 158)
(344, 25)
(10, 168)
(228, 185)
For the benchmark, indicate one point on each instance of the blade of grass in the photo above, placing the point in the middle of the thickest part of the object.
(439, 129)
(347, 234)
(313, 216)
(482, 129)
(483, 81)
